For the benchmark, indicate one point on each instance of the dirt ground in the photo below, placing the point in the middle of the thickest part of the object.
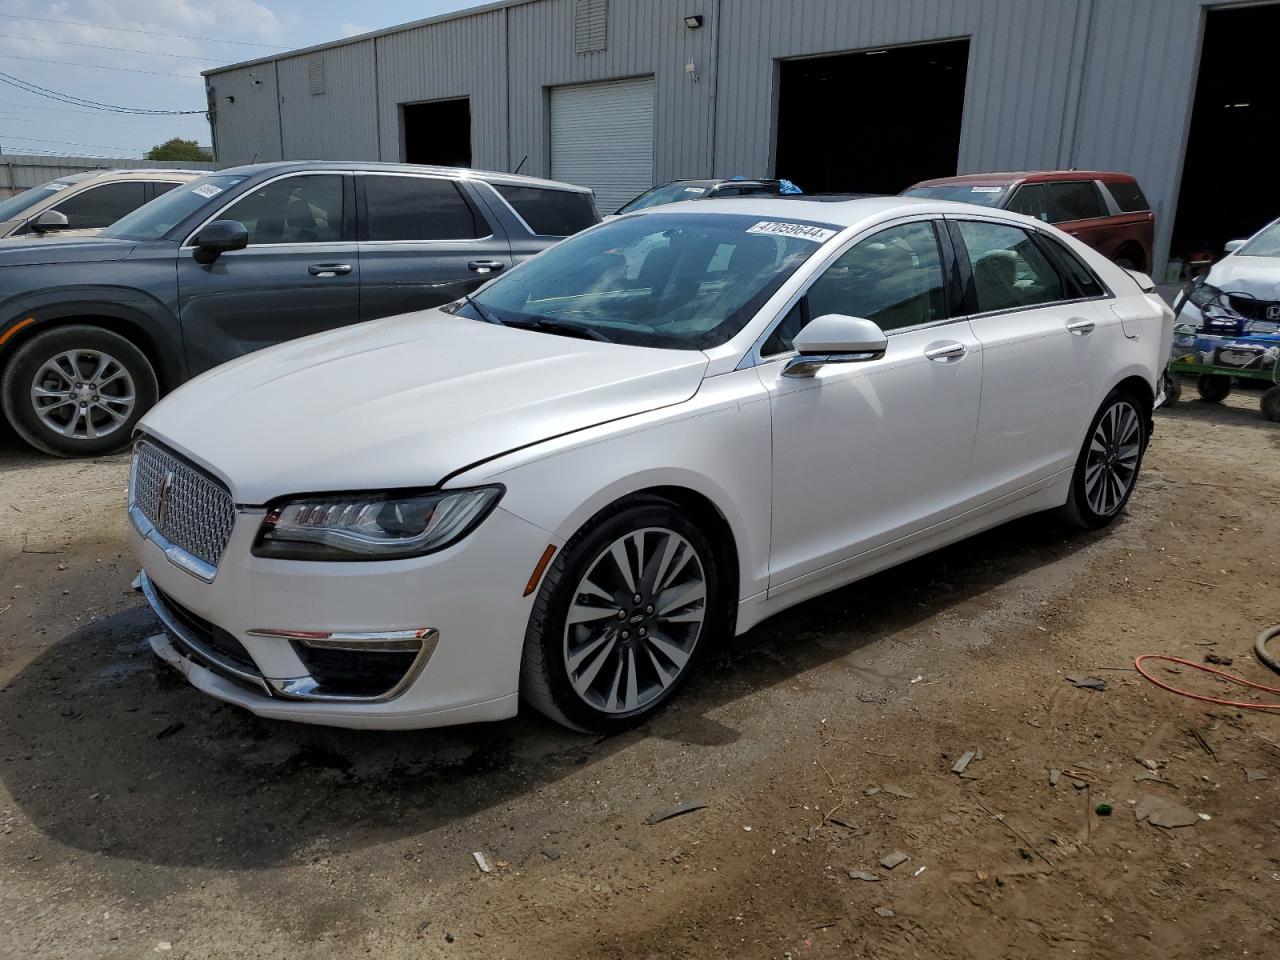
(139, 818)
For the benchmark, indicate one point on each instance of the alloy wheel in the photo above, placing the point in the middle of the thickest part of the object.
(635, 619)
(1112, 462)
(83, 394)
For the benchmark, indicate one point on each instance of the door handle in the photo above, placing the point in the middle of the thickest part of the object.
(329, 269)
(486, 266)
(1081, 327)
(951, 350)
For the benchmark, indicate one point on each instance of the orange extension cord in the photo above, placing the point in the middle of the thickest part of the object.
(1230, 677)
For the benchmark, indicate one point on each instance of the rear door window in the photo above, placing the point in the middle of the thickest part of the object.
(1074, 200)
(1009, 270)
(418, 208)
(102, 206)
(1129, 196)
(550, 213)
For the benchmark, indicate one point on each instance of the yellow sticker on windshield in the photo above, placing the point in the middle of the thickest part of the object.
(801, 231)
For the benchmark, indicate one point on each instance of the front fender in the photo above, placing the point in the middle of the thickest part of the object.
(143, 317)
(716, 445)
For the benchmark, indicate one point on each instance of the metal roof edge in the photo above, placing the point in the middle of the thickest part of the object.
(372, 35)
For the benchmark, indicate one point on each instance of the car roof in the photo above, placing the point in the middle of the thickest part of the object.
(456, 173)
(142, 173)
(837, 212)
(1023, 176)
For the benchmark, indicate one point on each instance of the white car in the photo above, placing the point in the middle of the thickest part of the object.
(1240, 295)
(649, 437)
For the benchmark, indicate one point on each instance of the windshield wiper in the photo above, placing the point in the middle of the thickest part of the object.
(563, 328)
(485, 317)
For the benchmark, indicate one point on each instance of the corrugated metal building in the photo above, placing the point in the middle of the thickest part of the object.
(703, 88)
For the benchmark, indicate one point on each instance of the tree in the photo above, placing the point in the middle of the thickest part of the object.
(178, 149)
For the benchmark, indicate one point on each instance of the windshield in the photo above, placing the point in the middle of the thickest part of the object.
(153, 220)
(687, 281)
(667, 193)
(983, 194)
(16, 206)
(1265, 243)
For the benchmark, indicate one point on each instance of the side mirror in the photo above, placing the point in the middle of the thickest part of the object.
(49, 221)
(1231, 246)
(835, 338)
(219, 237)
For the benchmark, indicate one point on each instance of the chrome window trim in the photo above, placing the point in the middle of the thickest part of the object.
(187, 244)
(754, 357)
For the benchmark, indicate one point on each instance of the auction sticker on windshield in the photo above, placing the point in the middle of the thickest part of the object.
(802, 231)
(207, 190)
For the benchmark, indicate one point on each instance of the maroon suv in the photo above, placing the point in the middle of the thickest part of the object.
(1105, 210)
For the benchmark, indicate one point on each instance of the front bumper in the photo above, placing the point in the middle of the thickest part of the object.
(236, 636)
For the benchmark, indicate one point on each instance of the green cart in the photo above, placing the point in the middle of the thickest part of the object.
(1218, 359)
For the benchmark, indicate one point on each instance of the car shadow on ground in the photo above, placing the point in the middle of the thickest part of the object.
(101, 740)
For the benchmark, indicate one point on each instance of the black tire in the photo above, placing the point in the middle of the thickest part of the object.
(1213, 387)
(96, 423)
(1172, 388)
(1270, 404)
(545, 673)
(1082, 509)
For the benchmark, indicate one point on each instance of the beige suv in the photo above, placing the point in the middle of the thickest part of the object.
(84, 203)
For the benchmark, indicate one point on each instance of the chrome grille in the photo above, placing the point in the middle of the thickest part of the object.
(187, 508)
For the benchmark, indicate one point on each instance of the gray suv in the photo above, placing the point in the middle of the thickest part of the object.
(94, 330)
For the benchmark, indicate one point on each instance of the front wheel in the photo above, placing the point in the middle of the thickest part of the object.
(624, 614)
(77, 391)
(1108, 466)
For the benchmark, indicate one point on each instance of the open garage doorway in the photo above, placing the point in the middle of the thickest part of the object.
(1229, 183)
(437, 132)
(875, 121)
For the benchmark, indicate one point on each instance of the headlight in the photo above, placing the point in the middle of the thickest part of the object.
(1203, 294)
(385, 525)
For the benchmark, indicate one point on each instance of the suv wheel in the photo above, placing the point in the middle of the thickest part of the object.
(623, 616)
(77, 391)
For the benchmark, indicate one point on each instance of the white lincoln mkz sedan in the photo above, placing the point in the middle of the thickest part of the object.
(653, 435)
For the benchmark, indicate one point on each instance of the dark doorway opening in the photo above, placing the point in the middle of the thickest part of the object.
(876, 121)
(438, 132)
(1229, 185)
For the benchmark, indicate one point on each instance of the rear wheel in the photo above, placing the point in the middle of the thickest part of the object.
(1213, 387)
(1271, 404)
(623, 616)
(77, 390)
(1107, 468)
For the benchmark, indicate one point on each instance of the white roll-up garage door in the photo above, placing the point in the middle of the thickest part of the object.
(602, 138)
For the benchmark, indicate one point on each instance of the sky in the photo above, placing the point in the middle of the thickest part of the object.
(148, 54)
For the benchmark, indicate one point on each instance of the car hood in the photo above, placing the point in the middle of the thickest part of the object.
(1259, 276)
(33, 251)
(405, 402)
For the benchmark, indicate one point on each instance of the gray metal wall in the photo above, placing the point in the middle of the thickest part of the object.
(1051, 83)
(342, 122)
